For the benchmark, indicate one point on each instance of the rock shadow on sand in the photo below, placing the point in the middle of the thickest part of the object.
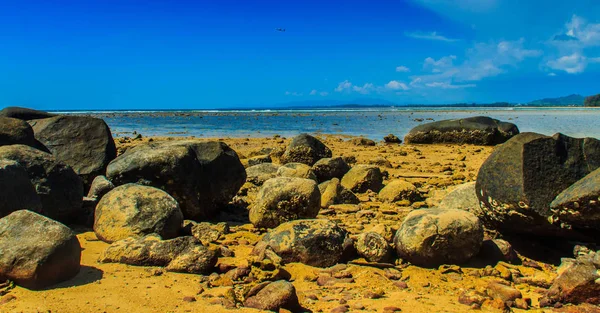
(86, 275)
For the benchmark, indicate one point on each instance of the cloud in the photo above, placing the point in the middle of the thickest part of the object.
(437, 66)
(396, 85)
(446, 85)
(551, 74)
(315, 92)
(402, 69)
(293, 93)
(364, 89)
(323, 93)
(345, 85)
(429, 36)
(575, 63)
(587, 33)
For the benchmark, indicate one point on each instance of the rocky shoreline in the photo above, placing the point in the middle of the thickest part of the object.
(296, 224)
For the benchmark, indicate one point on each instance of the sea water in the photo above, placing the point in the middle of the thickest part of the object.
(373, 123)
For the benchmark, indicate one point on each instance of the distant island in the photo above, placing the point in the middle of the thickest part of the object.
(571, 100)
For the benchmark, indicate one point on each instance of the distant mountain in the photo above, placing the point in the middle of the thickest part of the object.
(568, 100)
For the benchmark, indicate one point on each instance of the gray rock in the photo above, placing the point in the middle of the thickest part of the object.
(24, 113)
(332, 192)
(520, 179)
(37, 252)
(296, 170)
(182, 254)
(576, 283)
(100, 186)
(360, 141)
(362, 177)
(317, 242)
(373, 247)
(284, 199)
(306, 149)
(16, 132)
(579, 205)
(391, 138)
(16, 191)
(57, 185)
(397, 190)
(84, 143)
(259, 160)
(329, 168)
(274, 296)
(207, 233)
(201, 176)
(135, 210)
(478, 130)
(462, 197)
(432, 237)
(259, 174)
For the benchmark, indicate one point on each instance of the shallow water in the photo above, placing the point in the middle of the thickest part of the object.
(370, 123)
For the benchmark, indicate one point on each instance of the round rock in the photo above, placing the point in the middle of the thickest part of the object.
(24, 113)
(362, 178)
(397, 190)
(317, 242)
(306, 149)
(432, 237)
(274, 296)
(284, 199)
(328, 168)
(332, 192)
(14, 132)
(100, 186)
(373, 247)
(259, 174)
(296, 170)
(135, 210)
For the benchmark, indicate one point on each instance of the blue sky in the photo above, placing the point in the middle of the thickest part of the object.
(213, 54)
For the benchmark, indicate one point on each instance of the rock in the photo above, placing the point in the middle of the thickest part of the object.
(332, 192)
(296, 170)
(100, 186)
(182, 254)
(201, 176)
(274, 296)
(16, 191)
(431, 237)
(57, 185)
(37, 252)
(260, 173)
(463, 197)
(24, 113)
(206, 232)
(136, 210)
(397, 190)
(259, 160)
(360, 141)
(329, 168)
(498, 250)
(380, 161)
(391, 139)
(16, 132)
(84, 143)
(503, 292)
(305, 149)
(478, 130)
(520, 179)
(362, 178)
(578, 205)
(384, 231)
(576, 283)
(373, 247)
(284, 199)
(318, 242)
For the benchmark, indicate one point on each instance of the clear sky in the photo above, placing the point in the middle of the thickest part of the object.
(148, 54)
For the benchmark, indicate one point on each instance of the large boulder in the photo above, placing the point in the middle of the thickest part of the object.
(16, 132)
(579, 205)
(57, 185)
(306, 149)
(432, 237)
(260, 173)
(182, 254)
(299, 170)
(16, 190)
(284, 199)
(24, 113)
(201, 176)
(479, 130)
(462, 197)
(136, 210)
(520, 179)
(37, 252)
(332, 192)
(397, 190)
(317, 242)
(362, 178)
(329, 168)
(274, 296)
(84, 143)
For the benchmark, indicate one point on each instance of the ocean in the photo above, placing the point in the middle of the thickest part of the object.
(373, 123)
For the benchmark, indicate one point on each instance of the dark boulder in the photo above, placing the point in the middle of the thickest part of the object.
(360, 141)
(305, 149)
(284, 199)
(24, 113)
(432, 237)
(520, 179)
(201, 176)
(260, 159)
(100, 186)
(579, 205)
(16, 190)
(16, 132)
(478, 130)
(391, 138)
(84, 143)
(136, 210)
(317, 242)
(258, 174)
(182, 254)
(274, 296)
(37, 252)
(57, 185)
(329, 168)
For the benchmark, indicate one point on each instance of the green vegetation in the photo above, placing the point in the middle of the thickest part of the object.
(592, 101)
(561, 101)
